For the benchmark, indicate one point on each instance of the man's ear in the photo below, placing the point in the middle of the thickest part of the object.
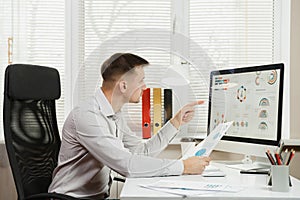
(123, 86)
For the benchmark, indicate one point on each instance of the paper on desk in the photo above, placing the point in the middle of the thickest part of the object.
(192, 186)
(205, 147)
(180, 192)
(212, 171)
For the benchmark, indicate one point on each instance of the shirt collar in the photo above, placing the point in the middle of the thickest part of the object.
(104, 104)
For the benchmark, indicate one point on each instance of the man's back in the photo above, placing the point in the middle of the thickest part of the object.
(78, 173)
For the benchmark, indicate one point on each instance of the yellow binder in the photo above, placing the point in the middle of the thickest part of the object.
(157, 118)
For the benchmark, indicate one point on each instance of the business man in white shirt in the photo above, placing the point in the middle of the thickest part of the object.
(96, 138)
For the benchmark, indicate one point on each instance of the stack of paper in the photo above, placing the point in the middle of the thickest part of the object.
(191, 188)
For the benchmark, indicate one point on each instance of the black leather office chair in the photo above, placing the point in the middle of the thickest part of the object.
(31, 134)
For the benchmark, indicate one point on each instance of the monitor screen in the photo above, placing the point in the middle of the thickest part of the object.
(251, 97)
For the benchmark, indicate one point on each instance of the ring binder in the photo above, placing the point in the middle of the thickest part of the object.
(157, 118)
(146, 118)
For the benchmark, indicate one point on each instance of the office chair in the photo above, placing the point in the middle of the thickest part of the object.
(31, 134)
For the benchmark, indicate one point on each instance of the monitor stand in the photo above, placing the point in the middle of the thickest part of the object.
(247, 163)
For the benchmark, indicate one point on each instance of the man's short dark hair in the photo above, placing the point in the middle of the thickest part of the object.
(119, 64)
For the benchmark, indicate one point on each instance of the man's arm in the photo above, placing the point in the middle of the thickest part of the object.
(159, 142)
(94, 134)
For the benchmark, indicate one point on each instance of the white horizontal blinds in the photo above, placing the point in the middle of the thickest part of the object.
(5, 33)
(110, 26)
(39, 38)
(232, 33)
(198, 90)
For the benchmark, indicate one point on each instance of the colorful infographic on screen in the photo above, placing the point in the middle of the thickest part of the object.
(248, 99)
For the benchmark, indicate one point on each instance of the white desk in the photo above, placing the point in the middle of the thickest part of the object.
(256, 187)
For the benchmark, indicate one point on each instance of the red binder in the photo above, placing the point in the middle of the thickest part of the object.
(146, 118)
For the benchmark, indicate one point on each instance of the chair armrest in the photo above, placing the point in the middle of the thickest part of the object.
(47, 196)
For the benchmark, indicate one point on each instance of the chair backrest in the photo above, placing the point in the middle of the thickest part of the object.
(30, 127)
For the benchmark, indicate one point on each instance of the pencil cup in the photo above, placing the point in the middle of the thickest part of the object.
(280, 178)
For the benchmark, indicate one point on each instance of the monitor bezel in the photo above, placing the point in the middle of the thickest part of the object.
(277, 66)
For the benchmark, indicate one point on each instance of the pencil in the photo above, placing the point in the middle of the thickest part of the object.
(270, 157)
(291, 156)
(278, 159)
(285, 153)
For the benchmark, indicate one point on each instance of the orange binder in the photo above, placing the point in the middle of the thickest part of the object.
(157, 118)
(146, 118)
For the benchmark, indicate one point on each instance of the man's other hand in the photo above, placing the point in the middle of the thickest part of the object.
(195, 164)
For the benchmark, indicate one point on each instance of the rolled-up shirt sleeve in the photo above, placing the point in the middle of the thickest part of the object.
(94, 133)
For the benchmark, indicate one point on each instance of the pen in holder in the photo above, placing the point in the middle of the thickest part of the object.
(279, 178)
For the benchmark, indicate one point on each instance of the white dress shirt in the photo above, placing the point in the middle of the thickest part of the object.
(96, 140)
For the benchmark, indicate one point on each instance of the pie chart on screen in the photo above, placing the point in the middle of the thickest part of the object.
(200, 152)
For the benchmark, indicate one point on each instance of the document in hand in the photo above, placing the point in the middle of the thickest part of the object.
(205, 147)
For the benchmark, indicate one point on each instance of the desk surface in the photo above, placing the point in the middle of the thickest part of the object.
(255, 187)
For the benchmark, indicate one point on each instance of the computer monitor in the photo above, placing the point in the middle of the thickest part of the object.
(251, 97)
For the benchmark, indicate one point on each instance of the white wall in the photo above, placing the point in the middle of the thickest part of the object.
(294, 82)
(295, 69)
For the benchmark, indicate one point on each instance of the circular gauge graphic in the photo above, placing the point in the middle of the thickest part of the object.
(257, 81)
(263, 114)
(264, 102)
(241, 94)
(263, 126)
(272, 78)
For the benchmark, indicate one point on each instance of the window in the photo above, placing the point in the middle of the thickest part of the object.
(218, 33)
(231, 33)
(38, 37)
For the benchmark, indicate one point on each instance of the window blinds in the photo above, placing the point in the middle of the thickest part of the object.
(39, 38)
(222, 34)
(231, 33)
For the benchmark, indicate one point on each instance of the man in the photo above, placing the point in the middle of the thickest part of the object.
(96, 138)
